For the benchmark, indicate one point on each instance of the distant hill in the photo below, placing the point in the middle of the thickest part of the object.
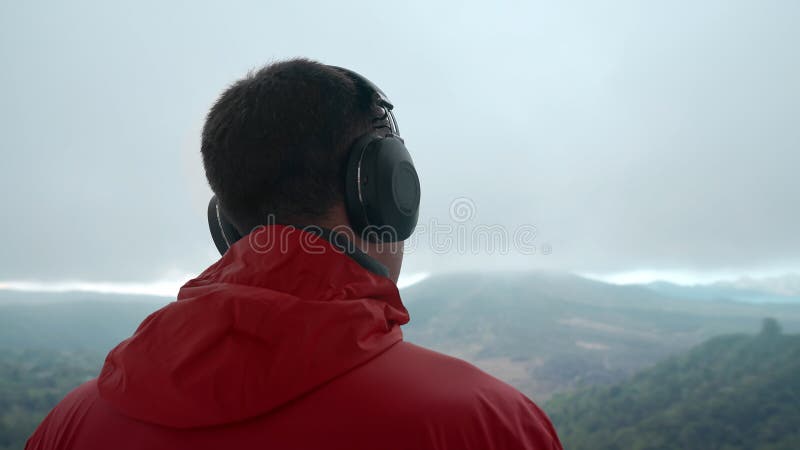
(549, 332)
(787, 285)
(784, 289)
(732, 392)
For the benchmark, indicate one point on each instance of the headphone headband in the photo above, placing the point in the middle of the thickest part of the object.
(381, 99)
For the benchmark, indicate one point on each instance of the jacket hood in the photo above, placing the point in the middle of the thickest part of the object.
(257, 329)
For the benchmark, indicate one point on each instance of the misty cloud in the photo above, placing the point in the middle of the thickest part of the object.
(631, 136)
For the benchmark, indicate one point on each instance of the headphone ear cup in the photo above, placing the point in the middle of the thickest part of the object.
(354, 179)
(222, 230)
(383, 191)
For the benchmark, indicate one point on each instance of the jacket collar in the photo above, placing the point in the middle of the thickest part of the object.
(347, 247)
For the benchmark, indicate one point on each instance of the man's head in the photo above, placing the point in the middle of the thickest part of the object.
(275, 147)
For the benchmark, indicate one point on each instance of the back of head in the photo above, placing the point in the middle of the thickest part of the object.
(275, 142)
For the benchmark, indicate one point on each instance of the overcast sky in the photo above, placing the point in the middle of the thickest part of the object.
(659, 137)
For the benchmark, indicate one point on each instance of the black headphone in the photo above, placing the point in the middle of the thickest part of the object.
(382, 189)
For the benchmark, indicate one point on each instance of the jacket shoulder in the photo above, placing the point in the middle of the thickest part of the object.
(456, 401)
(62, 422)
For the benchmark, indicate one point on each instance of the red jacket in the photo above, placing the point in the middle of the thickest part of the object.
(288, 349)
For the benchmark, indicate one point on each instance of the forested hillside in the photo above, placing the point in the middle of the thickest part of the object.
(732, 392)
(32, 382)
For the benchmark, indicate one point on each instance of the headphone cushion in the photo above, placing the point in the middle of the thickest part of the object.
(382, 188)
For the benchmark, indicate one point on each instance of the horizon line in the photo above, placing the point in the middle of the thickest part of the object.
(170, 287)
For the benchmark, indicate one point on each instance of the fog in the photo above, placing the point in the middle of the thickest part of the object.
(623, 138)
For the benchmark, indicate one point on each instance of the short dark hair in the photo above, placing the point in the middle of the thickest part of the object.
(275, 142)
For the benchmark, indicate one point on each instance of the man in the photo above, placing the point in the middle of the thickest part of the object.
(292, 340)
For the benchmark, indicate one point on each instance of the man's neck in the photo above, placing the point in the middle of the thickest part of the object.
(344, 244)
